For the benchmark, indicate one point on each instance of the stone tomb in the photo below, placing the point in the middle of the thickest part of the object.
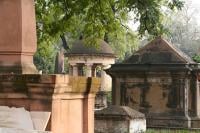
(160, 81)
(119, 119)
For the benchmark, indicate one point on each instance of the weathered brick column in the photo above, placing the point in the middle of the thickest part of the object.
(17, 36)
(69, 99)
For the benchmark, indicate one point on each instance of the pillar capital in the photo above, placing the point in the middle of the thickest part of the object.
(73, 64)
(89, 64)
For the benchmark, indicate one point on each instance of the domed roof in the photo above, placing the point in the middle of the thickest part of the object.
(79, 48)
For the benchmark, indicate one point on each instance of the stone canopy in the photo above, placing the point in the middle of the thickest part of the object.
(160, 81)
(79, 48)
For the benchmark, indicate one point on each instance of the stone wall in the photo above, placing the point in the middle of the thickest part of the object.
(161, 96)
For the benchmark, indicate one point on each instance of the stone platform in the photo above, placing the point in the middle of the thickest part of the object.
(69, 99)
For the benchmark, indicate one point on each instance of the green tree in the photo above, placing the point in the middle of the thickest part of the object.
(97, 17)
(196, 58)
(44, 58)
(124, 43)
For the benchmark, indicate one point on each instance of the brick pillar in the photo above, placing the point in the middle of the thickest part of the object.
(17, 36)
(88, 113)
(73, 106)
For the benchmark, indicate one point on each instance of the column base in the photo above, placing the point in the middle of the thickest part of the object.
(169, 122)
(17, 63)
(18, 69)
(195, 122)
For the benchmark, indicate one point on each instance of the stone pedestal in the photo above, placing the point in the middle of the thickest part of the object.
(168, 122)
(69, 99)
(17, 36)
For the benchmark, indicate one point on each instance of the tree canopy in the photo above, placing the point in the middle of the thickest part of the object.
(97, 17)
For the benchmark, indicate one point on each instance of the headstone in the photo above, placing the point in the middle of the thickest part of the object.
(19, 118)
(15, 118)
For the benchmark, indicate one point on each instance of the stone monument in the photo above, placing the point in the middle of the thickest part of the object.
(162, 82)
(17, 36)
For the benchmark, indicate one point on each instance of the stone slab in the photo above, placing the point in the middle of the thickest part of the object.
(40, 119)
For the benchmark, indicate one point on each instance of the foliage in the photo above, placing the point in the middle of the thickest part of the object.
(97, 17)
(109, 98)
(196, 58)
(123, 44)
(45, 57)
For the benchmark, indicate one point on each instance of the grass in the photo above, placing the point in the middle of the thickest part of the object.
(172, 131)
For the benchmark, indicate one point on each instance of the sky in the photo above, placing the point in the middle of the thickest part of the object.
(195, 4)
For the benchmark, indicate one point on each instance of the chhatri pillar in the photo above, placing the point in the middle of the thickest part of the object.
(17, 36)
(88, 70)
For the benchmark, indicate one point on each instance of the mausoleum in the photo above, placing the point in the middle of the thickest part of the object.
(160, 81)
